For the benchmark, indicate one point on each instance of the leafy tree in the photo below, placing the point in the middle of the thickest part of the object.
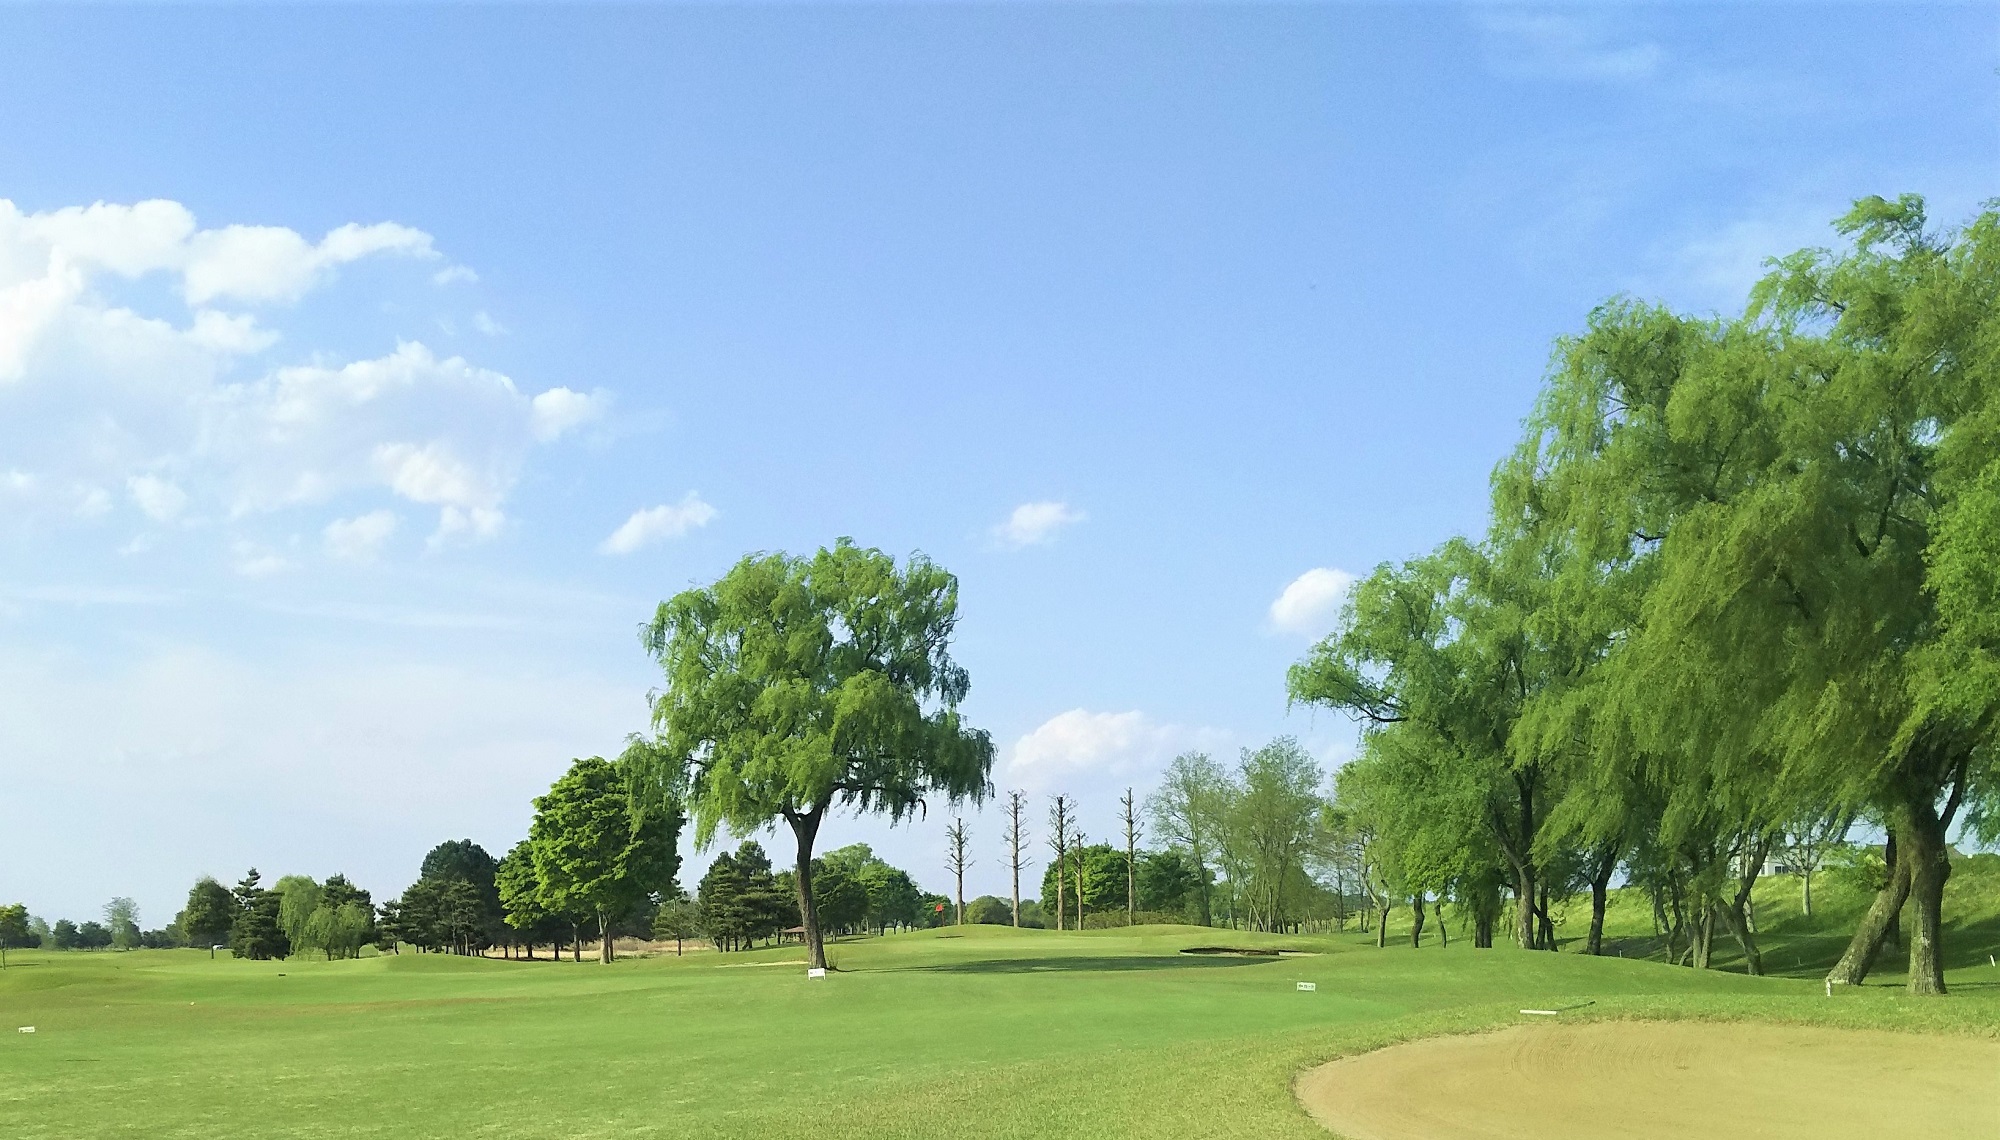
(468, 862)
(521, 901)
(14, 931)
(210, 913)
(741, 900)
(93, 936)
(678, 918)
(795, 685)
(987, 910)
(64, 935)
(597, 849)
(1186, 811)
(1272, 817)
(257, 933)
(1170, 883)
(1101, 868)
(121, 918)
(44, 937)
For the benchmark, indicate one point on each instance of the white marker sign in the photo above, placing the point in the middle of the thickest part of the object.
(816, 972)
(1309, 987)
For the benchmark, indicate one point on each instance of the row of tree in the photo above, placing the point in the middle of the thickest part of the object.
(1740, 591)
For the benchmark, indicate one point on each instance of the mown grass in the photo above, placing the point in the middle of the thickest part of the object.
(982, 1031)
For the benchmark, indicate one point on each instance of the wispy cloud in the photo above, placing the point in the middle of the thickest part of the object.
(1032, 524)
(1567, 45)
(657, 524)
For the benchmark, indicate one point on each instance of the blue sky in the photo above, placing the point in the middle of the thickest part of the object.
(410, 356)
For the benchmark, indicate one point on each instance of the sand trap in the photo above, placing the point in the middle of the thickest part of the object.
(1661, 1080)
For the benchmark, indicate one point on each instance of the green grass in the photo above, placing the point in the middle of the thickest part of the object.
(984, 1032)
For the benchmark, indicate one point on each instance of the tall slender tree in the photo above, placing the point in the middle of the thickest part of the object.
(1130, 819)
(1060, 823)
(956, 860)
(1016, 803)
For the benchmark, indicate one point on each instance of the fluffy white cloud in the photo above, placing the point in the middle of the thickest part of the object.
(96, 394)
(656, 524)
(484, 322)
(1079, 749)
(1311, 603)
(360, 539)
(1034, 523)
(558, 410)
(161, 500)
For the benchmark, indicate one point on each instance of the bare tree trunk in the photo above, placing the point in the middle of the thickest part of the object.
(1131, 860)
(805, 827)
(1417, 921)
(1015, 801)
(1059, 843)
(604, 951)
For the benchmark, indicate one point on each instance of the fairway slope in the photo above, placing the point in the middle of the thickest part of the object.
(1622, 1080)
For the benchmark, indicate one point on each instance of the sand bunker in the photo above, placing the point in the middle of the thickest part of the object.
(1661, 1080)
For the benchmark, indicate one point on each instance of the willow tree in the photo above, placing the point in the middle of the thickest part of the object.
(1805, 484)
(797, 685)
(1440, 652)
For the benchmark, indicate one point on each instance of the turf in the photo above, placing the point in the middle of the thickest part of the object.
(981, 1032)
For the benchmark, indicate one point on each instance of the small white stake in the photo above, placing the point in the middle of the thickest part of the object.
(1829, 987)
(1309, 987)
(26, 1029)
(816, 972)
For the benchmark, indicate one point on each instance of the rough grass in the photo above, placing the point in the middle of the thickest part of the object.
(982, 1031)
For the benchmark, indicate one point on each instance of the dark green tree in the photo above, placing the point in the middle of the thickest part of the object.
(598, 848)
(210, 913)
(257, 933)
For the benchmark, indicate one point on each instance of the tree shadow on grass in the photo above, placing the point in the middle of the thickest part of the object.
(1075, 964)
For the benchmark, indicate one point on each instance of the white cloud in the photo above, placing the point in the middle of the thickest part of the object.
(657, 524)
(271, 263)
(1079, 749)
(223, 333)
(454, 275)
(1566, 45)
(558, 410)
(1311, 603)
(485, 323)
(360, 539)
(253, 561)
(97, 393)
(1033, 523)
(161, 500)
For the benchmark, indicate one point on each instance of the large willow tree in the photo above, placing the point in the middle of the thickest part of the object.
(795, 685)
(1810, 489)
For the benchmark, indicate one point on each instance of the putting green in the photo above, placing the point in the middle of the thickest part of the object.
(1657, 1080)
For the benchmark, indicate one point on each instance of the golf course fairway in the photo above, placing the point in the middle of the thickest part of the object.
(970, 1031)
(1653, 1080)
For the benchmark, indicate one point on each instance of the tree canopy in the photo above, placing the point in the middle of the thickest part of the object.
(797, 685)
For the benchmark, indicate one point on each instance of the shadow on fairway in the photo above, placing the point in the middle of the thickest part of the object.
(1072, 964)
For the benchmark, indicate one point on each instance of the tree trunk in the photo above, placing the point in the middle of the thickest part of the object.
(1738, 915)
(1417, 921)
(1444, 928)
(1382, 925)
(1883, 916)
(1524, 905)
(1806, 906)
(1925, 854)
(604, 950)
(1600, 887)
(805, 828)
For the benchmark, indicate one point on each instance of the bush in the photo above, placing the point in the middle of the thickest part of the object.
(1111, 919)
